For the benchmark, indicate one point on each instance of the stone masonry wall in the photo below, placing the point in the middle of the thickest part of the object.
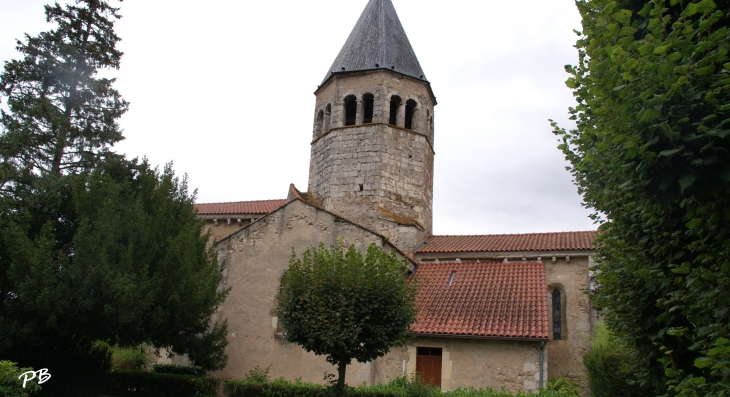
(470, 363)
(378, 175)
(255, 259)
(571, 277)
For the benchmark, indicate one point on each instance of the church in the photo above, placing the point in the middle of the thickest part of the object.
(493, 310)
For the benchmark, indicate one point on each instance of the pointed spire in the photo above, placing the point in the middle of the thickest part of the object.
(378, 41)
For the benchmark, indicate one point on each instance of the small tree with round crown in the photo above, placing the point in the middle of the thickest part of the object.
(337, 303)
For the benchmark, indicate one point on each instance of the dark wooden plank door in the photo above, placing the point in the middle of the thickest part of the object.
(428, 365)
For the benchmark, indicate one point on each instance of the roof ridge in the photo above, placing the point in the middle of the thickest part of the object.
(237, 202)
(511, 234)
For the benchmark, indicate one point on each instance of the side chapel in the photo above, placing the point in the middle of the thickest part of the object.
(494, 310)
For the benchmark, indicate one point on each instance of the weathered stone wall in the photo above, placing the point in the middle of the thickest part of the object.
(255, 260)
(222, 229)
(569, 273)
(378, 175)
(571, 278)
(470, 363)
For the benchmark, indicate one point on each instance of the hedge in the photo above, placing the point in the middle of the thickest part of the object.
(398, 388)
(191, 370)
(126, 383)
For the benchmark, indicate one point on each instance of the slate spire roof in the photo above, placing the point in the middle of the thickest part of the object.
(378, 41)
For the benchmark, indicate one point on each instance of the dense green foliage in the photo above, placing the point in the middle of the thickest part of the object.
(62, 118)
(610, 367)
(93, 247)
(650, 155)
(123, 383)
(137, 357)
(191, 370)
(399, 387)
(337, 303)
(11, 381)
(563, 385)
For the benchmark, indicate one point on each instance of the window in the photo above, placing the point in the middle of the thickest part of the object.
(557, 315)
(394, 105)
(350, 110)
(410, 114)
(368, 104)
(327, 118)
(428, 365)
(319, 126)
(280, 331)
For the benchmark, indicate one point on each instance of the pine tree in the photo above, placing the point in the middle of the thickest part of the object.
(62, 117)
(93, 247)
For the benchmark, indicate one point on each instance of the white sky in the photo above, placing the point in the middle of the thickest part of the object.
(224, 88)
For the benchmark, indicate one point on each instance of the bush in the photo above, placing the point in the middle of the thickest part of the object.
(11, 385)
(258, 375)
(399, 387)
(125, 383)
(609, 365)
(190, 370)
(136, 358)
(563, 385)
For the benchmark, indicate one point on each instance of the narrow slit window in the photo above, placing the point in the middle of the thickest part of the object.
(327, 118)
(368, 101)
(394, 105)
(350, 110)
(319, 128)
(410, 114)
(557, 316)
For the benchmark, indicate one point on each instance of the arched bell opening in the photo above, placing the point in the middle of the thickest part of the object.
(368, 101)
(395, 102)
(410, 121)
(350, 110)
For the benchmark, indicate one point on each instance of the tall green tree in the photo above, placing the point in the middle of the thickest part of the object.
(651, 154)
(62, 118)
(337, 303)
(93, 247)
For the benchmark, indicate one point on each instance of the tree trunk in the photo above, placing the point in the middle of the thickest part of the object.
(341, 368)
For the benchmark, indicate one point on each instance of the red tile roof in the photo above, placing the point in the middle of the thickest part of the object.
(511, 242)
(488, 299)
(239, 207)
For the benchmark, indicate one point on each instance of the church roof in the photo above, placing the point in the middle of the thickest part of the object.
(378, 41)
(239, 207)
(510, 242)
(487, 299)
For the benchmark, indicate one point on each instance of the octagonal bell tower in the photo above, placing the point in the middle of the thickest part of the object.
(372, 146)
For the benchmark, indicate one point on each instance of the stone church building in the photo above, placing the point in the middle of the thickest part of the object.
(494, 310)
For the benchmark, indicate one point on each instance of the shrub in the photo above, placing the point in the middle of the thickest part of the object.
(125, 383)
(11, 385)
(399, 387)
(563, 385)
(609, 365)
(258, 375)
(190, 370)
(137, 358)
(278, 388)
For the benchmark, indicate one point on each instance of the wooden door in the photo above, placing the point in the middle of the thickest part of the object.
(428, 365)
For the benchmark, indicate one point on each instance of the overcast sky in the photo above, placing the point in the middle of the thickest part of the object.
(224, 88)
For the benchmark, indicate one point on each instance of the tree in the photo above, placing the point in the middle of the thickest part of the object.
(93, 247)
(651, 155)
(62, 118)
(337, 303)
(131, 267)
